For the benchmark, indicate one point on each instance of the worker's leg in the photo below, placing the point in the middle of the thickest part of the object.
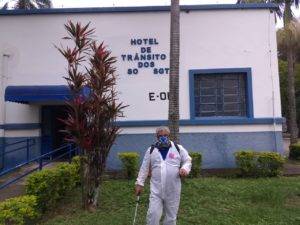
(170, 209)
(155, 210)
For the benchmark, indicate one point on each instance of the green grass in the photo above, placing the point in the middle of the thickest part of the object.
(208, 201)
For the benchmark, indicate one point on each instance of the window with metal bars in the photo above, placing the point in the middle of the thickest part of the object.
(220, 95)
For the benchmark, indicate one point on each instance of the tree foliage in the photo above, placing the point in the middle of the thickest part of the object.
(283, 70)
(29, 4)
(284, 5)
(289, 37)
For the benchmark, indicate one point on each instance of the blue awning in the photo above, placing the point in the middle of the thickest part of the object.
(38, 94)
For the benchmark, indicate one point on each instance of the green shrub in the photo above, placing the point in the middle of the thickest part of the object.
(130, 162)
(50, 185)
(19, 210)
(259, 164)
(246, 162)
(76, 163)
(196, 164)
(295, 151)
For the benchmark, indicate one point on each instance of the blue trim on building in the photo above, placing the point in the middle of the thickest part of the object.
(37, 94)
(217, 149)
(249, 94)
(187, 8)
(153, 123)
(20, 126)
(203, 121)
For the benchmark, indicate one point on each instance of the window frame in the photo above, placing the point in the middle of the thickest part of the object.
(221, 71)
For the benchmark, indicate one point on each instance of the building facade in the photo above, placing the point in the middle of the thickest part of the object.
(229, 82)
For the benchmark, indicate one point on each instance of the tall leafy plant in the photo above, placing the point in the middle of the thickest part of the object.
(93, 108)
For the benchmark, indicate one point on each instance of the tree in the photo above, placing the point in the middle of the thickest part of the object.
(30, 4)
(174, 71)
(5, 6)
(288, 17)
(93, 109)
(283, 71)
(288, 42)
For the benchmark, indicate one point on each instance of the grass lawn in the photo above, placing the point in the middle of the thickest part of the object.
(208, 201)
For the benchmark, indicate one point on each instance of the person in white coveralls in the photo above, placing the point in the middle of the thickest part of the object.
(166, 161)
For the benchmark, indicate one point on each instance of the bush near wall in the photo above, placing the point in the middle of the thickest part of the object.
(76, 163)
(130, 162)
(196, 164)
(19, 210)
(50, 185)
(295, 151)
(259, 164)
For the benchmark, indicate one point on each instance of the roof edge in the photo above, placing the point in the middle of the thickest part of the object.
(270, 6)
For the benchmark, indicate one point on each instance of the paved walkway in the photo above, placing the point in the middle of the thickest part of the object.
(18, 188)
(292, 168)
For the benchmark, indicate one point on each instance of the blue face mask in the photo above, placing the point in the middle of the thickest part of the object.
(163, 141)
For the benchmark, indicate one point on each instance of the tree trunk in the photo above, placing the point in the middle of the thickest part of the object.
(90, 182)
(291, 97)
(174, 71)
(293, 127)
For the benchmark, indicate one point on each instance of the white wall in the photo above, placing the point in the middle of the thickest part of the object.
(209, 40)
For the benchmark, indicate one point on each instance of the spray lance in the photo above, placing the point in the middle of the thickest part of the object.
(136, 208)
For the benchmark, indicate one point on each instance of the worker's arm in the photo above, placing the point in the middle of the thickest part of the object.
(186, 162)
(143, 173)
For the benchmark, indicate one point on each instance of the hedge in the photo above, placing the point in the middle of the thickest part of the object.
(44, 188)
(259, 164)
(19, 210)
(295, 151)
(50, 185)
(196, 164)
(130, 162)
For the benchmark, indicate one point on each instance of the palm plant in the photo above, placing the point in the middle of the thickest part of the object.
(288, 17)
(174, 71)
(5, 6)
(288, 44)
(29, 4)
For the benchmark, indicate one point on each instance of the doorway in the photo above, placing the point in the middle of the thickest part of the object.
(52, 137)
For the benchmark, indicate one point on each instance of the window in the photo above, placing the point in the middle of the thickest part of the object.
(221, 93)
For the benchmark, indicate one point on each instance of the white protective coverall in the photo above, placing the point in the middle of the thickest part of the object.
(165, 183)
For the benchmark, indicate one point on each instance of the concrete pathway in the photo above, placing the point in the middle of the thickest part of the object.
(291, 168)
(18, 188)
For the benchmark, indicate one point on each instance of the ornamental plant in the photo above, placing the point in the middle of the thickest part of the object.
(93, 109)
(259, 164)
(295, 151)
(130, 161)
(19, 210)
(196, 164)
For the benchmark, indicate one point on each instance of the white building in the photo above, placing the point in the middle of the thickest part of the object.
(229, 83)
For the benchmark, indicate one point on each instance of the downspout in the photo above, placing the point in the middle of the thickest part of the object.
(272, 81)
(3, 76)
(5, 58)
